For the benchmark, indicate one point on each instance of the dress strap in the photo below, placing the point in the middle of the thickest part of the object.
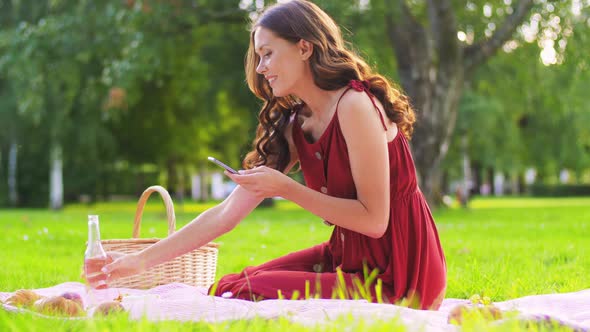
(342, 95)
(363, 86)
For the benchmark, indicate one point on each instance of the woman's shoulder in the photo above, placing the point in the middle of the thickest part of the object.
(358, 112)
(353, 99)
(356, 103)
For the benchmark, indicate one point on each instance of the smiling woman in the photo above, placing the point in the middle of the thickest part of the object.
(348, 128)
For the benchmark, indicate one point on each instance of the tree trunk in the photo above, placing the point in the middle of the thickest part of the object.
(466, 190)
(490, 176)
(2, 192)
(432, 65)
(445, 181)
(172, 176)
(195, 186)
(204, 183)
(180, 188)
(12, 174)
(477, 178)
(435, 102)
(431, 74)
(140, 185)
(514, 188)
(56, 185)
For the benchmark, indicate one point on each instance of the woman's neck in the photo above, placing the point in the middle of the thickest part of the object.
(321, 103)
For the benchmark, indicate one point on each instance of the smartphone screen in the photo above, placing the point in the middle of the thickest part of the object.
(219, 163)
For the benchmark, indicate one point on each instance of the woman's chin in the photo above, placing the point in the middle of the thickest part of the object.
(278, 93)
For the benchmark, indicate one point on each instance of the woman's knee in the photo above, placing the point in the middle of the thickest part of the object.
(224, 284)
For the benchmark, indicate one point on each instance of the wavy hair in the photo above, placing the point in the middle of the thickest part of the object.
(333, 66)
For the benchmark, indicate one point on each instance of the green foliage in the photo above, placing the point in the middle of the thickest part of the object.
(109, 82)
(161, 84)
(520, 113)
(53, 65)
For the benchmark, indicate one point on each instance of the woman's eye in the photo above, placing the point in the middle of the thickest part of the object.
(267, 54)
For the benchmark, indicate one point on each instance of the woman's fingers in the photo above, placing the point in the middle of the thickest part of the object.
(114, 255)
(258, 169)
(109, 267)
(98, 273)
(254, 180)
(96, 279)
(92, 268)
(239, 178)
(251, 171)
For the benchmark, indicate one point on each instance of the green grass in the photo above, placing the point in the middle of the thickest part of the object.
(501, 247)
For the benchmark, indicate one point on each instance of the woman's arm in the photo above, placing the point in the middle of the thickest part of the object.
(209, 225)
(367, 149)
(366, 140)
(206, 227)
(212, 223)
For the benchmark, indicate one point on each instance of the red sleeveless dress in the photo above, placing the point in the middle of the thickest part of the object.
(408, 258)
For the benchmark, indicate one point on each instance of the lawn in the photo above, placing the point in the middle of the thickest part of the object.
(500, 247)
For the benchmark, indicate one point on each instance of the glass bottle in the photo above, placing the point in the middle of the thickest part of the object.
(95, 257)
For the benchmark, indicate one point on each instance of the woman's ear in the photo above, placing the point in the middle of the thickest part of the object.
(305, 49)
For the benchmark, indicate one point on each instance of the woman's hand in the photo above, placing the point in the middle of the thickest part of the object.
(92, 269)
(262, 181)
(121, 265)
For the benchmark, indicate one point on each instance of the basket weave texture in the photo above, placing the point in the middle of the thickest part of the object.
(195, 268)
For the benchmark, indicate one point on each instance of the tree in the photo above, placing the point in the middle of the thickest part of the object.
(433, 65)
(440, 44)
(160, 75)
(184, 83)
(520, 111)
(53, 66)
(13, 14)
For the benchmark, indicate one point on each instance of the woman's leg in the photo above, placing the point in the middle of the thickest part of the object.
(313, 260)
(306, 272)
(264, 285)
(267, 285)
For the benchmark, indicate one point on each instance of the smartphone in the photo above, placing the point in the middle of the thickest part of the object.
(219, 163)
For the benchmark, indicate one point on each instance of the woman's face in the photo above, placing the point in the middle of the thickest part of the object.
(281, 62)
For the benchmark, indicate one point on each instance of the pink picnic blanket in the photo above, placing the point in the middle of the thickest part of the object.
(186, 303)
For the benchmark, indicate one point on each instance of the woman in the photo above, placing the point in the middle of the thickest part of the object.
(348, 129)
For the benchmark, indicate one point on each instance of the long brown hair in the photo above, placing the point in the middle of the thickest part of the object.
(333, 66)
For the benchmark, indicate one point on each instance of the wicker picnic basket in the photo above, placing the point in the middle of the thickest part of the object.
(195, 268)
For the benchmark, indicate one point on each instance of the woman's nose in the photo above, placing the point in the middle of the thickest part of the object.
(260, 68)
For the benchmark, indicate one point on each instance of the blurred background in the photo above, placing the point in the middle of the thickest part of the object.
(100, 99)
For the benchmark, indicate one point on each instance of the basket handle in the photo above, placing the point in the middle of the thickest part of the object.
(167, 202)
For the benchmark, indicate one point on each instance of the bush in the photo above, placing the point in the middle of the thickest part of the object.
(561, 190)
